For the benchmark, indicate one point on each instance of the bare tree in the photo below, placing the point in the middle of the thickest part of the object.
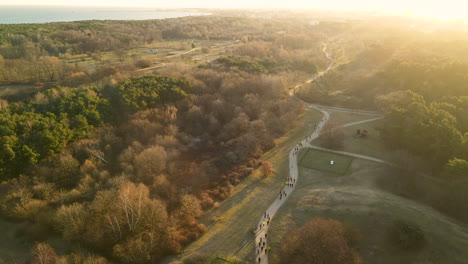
(332, 135)
(42, 253)
(150, 163)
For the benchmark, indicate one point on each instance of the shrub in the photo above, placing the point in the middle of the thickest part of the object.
(143, 63)
(319, 241)
(406, 235)
(43, 253)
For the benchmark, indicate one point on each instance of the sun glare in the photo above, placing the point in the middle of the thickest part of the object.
(447, 9)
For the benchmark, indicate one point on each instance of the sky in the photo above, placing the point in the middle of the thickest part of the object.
(444, 9)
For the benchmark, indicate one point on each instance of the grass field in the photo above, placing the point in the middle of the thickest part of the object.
(356, 200)
(372, 145)
(232, 236)
(319, 160)
(348, 117)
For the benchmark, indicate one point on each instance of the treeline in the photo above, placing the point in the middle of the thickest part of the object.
(435, 131)
(433, 66)
(133, 191)
(38, 53)
(54, 39)
(124, 170)
(49, 71)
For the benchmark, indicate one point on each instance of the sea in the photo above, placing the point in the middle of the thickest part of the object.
(46, 14)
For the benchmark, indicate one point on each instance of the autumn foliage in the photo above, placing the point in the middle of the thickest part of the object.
(319, 241)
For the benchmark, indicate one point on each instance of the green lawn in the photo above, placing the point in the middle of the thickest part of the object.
(319, 160)
(232, 236)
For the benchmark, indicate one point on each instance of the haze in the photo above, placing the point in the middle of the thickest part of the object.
(450, 9)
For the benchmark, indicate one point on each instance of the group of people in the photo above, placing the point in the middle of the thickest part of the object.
(262, 243)
(290, 182)
(264, 223)
(281, 194)
(296, 149)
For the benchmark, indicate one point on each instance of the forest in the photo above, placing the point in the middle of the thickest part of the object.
(121, 165)
(420, 82)
(115, 157)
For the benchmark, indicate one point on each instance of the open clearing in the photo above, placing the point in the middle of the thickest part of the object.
(371, 145)
(355, 199)
(232, 234)
(319, 160)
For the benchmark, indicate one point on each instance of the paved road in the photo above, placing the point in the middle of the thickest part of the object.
(263, 224)
(261, 237)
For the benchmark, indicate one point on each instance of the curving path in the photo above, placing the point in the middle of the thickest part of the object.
(261, 236)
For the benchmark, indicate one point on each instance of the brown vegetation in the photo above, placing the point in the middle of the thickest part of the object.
(332, 135)
(320, 241)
